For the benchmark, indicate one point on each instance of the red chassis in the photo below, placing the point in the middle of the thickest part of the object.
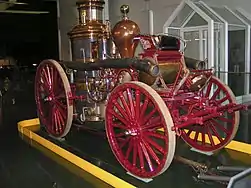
(142, 119)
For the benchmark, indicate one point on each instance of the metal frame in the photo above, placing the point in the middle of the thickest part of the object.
(204, 16)
(248, 68)
(238, 177)
(223, 45)
(210, 27)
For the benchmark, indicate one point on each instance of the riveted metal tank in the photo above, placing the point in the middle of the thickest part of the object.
(123, 34)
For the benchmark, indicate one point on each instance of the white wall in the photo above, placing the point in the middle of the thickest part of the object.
(162, 9)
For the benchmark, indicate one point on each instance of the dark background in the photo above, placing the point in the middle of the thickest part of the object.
(30, 38)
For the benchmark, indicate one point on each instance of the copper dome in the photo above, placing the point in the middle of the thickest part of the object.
(124, 32)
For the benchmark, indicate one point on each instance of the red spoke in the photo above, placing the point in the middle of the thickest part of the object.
(53, 118)
(117, 125)
(196, 136)
(220, 126)
(61, 120)
(208, 89)
(61, 109)
(137, 105)
(60, 104)
(216, 93)
(48, 70)
(153, 126)
(45, 85)
(147, 118)
(224, 119)
(210, 136)
(130, 147)
(129, 97)
(55, 78)
(158, 147)
(46, 79)
(148, 160)
(189, 132)
(151, 152)
(122, 120)
(56, 120)
(155, 120)
(126, 107)
(141, 157)
(123, 113)
(215, 132)
(156, 135)
(203, 136)
(144, 107)
(222, 100)
(120, 134)
(124, 142)
(135, 151)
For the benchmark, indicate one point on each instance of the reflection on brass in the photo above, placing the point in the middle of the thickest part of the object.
(123, 34)
(194, 63)
(169, 71)
(90, 30)
(90, 19)
(198, 82)
(94, 50)
(146, 78)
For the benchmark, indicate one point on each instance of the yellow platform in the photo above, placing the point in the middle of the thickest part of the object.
(28, 128)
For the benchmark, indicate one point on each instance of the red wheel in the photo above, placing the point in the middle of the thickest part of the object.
(134, 114)
(52, 91)
(215, 133)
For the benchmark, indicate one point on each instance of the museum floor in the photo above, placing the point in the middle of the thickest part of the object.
(23, 166)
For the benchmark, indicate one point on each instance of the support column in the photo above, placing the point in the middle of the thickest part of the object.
(67, 18)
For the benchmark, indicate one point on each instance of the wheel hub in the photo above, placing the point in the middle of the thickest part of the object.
(134, 130)
(49, 99)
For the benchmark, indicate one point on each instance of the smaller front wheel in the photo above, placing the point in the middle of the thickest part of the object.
(134, 115)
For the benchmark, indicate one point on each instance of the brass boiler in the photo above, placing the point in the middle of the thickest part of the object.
(89, 37)
(89, 43)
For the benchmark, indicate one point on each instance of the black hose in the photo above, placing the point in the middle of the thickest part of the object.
(139, 64)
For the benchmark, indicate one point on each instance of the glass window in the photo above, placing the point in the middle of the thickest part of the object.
(208, 12)
(228, 16)
(182, 16)
(196, 20)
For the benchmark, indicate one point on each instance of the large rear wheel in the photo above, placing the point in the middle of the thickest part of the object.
(215, 133)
